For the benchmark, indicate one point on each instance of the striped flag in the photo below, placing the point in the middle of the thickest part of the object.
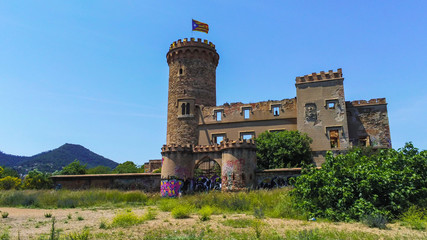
(199, 26)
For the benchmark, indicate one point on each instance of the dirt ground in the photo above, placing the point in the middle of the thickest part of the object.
(32, 223)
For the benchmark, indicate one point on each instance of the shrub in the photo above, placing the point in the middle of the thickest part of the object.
(415, 218)
(48, 215)
(283, 149)
(205, 213)
(81, 235)
(4, 214)
(9, 182)
(149, 215)
(354, 185)
(375, 220)
(181, 211)
(126, 219)
(37, 180)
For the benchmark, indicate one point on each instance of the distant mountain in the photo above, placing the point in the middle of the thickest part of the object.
(53, 160)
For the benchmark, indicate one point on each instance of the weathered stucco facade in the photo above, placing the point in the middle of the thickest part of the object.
(199, 133)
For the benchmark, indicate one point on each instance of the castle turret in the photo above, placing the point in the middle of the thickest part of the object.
(192, 82)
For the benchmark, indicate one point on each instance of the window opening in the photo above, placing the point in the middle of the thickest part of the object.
(218, 116)
(331, 104)
(183, 109)
(187, 111)
(276, 111)
(243, 176)
(218, 138)
(246, 113)
(247, 136)
(180, 71)
(334, 138)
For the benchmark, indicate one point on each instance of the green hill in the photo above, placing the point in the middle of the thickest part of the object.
(53, 160)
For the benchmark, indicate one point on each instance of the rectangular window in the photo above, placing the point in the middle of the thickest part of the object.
(247, 135)
(218, 138)
(334, 138)
(276, 111)
(247, 112)
(218, 116)
(331, 104)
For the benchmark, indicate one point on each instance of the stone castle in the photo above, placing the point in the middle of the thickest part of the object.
(202, 136)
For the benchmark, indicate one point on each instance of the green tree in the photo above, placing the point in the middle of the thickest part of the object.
(74, 168)
(99, 170)
(283, 149)
(8, 171)
(127, 167)
(37, 180)
(356, 185)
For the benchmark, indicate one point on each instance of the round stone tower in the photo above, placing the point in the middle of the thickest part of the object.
(192, 82)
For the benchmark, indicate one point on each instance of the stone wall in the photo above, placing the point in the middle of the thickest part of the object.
(148, 182)
(368, 123)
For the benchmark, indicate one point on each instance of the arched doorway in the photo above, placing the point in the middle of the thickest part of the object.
(207, 175)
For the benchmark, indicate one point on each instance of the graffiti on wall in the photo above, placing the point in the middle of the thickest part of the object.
(273, 182)
(230, 169)
(171, 188)
(204, 184)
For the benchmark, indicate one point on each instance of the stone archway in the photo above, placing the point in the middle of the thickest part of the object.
(207, 175)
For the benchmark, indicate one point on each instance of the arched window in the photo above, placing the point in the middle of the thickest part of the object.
(183, 109)
(187, 111)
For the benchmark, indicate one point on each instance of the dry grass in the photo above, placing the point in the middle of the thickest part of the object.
(31, 224)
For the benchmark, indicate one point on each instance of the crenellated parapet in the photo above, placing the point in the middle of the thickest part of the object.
(177, 148)
(190, 48)
(242, 144)
(322, 76)
(373, 101)
(191, 42)
(207, 148)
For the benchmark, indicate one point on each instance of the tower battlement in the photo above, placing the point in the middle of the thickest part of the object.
(192, 42)
(177, 148)
(238, 144)
(322, 76)
(192, 49)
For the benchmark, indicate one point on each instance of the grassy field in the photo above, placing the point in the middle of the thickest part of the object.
(111, 214)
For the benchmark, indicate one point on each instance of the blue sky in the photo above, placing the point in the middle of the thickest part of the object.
(94, 72)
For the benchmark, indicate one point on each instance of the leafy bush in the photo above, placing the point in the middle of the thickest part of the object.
(4, 214)
(181, 211)
(415, 218)
(355, 185)
(80, 235)
(149, 215)
(48, 215)
(126, 219)
(37, 180)
(205, 213)
(9, 182)
(375, 221)
(283, 149)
